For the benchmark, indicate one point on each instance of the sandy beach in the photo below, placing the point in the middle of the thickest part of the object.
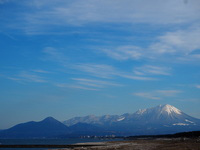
(155, 144)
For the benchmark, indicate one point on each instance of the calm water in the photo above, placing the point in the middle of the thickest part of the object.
(47, 141)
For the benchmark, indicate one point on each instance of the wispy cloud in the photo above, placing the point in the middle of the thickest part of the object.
(52, 54)
(4, 1)
(26, 76)
(88, 84)
(63, 85)
(124, 52)
(147, 95)
(179, 45)
(135, 77)
(182, 44)
(158, 94)
(46, 14)
(152, 70)
(104, 70)
(168, 92)
(95, 83)
(108, 71)
(40, 71)
(98, 70)
(197, 86)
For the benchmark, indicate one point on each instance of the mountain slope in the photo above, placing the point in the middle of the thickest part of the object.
(162, 114)
(46, 128)
(162, 119)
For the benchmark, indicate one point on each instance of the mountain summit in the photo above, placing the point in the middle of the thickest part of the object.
(164, 109)
(47, 128)
(169, 109)
(162, 119)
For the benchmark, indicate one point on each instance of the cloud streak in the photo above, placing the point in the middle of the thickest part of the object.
(157, 94)
(125, 52)
(95, 83)
(152, 70)
(179, 46)
(64, 85)
(25, 76)
(108, 71)
(48, 14)
(52, 54)
(197, 86)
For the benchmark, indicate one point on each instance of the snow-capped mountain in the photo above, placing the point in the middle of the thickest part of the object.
(92, 119)
(161, 119)
(164, 114)
(157, 115)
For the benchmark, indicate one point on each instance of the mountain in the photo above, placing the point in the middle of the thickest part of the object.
(162, 119)
(91, 119)
(46, 128)
(80, 129)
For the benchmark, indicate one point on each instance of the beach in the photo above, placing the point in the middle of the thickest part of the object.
(142, 144)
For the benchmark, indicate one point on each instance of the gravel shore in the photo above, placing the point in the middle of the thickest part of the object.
(155, 144)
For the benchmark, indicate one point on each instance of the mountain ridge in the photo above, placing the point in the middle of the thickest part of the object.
(162, 119)
(160, 110)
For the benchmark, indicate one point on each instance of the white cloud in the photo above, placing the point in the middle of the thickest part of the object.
(180, 45)
(40, 71)
(124, 52)
(168, 92)
(151, 70)
(98, 70)
(27, 76)
(108, 71)
(63, 85)
(197, 86)
(134, 77)
(95, 83)
(55, 55)
(4, 1)
(144, 11)
(87, 84)
(47, 13)
(158, 94)
(147, 95)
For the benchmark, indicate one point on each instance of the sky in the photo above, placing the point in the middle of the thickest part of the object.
(67, 58)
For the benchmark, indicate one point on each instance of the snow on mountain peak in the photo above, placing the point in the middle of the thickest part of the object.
(169, 109)
(140, 111)
(120, 119)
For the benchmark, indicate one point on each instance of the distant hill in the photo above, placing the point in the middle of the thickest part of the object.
(192, 134)
(46, 128)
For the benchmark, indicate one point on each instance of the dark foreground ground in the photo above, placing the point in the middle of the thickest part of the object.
(144, 144)
(178, 141)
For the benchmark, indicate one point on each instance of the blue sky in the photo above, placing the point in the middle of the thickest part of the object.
(75, 58)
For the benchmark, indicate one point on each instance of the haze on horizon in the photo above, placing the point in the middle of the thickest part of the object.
(76, 58)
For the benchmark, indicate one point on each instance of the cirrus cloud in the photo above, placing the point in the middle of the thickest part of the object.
(157, 94)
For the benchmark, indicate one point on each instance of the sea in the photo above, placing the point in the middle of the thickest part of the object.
(67, 141)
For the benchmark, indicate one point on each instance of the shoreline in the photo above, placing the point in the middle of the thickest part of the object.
(54, 146)
(131, 144)
(142, 144)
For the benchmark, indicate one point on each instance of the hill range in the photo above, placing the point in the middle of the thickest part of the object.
(162, 119)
